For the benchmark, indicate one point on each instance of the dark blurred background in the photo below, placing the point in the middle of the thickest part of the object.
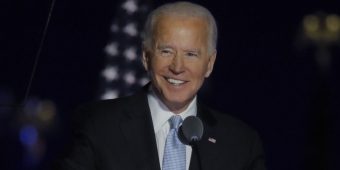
(277, 69)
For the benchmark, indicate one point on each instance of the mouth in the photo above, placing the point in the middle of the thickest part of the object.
(175, 82)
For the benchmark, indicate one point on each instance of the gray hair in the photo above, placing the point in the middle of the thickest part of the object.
(182, 8)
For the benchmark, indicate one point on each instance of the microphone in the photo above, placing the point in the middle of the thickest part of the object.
(191, 130)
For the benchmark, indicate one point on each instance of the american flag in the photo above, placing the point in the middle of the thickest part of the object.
(123, 72)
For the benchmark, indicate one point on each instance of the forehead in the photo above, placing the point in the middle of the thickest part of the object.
(162, 19)
(177, 25)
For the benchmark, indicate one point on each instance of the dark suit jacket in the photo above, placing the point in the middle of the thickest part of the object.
(118, 135)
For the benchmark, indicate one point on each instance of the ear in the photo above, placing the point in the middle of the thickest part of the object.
(211, 63)
(145, 59)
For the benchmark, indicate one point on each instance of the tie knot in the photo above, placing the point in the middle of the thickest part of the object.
(175, 121)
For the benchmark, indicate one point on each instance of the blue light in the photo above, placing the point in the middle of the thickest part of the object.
(28, 135)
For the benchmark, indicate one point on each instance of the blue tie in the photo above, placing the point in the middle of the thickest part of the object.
(174, 152)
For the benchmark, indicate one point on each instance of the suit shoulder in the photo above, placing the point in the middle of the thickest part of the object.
(231, 123)
(104, 105)
(102, 110)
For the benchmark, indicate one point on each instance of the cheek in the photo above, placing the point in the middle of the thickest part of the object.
(159, 65)
(200, 70)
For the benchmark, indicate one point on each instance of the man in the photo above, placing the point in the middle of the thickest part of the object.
(179, 52)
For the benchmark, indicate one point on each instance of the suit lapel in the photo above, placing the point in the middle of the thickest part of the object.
(206, 147)
(139, 133)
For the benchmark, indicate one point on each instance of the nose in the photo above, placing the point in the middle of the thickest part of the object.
(177, 65)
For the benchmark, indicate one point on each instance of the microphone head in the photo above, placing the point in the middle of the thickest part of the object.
(191, 130)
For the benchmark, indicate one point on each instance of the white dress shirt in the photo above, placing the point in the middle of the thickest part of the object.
(160, 115)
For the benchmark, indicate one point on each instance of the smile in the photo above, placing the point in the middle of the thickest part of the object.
(175, 82)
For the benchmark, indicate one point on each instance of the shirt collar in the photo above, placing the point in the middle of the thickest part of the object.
(160, 113)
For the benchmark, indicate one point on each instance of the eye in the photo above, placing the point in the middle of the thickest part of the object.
(166, 52)
(192, 54)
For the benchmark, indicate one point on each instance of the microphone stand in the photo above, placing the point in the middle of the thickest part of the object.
(196, 150)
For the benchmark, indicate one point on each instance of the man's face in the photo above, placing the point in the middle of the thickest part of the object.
(178, 60)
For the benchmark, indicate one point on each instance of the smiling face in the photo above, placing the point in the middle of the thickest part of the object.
(178, 61)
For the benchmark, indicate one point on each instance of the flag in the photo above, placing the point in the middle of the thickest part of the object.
(123, 72)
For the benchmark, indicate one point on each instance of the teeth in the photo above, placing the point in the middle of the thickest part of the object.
(174, 81)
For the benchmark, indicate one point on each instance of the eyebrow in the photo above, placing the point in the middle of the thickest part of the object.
(164, 46)
(193, 51)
